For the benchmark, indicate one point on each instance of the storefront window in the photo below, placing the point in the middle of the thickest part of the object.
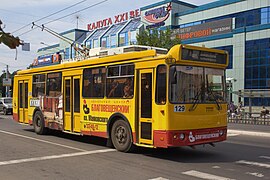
(88, 44)
(257, 68)
(95, 43)
(105, 42)
(265, 15)
(67, 53)
(113, 41)
(123, 39)
(133, 39)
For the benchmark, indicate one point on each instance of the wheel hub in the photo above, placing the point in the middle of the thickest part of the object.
(38, 122)
(121, 135)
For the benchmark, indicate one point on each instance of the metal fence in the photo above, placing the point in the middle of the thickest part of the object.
(249, 118)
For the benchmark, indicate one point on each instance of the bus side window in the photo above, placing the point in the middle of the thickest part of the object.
(38, 86)
(114, 88)
(54, 81)
(94, 82)
(161, 90)
(119, 83)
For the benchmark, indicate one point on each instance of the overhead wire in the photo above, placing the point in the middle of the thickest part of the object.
(93, 5)
(50, 15)
(77, 11)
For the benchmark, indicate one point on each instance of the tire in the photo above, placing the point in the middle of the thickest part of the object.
(121, 136)
(39, 124)
(5, 111)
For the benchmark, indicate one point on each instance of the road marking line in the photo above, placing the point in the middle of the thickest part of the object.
(265, 157)
(253, 163)
(202, 175)
(255, 174)
(249, 133)
(232, 134)
(159, 178)
(40, 140)
(55, 157)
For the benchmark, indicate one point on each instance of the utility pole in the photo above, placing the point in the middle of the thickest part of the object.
(7, 87)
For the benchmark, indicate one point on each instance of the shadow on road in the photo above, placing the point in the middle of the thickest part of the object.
(185, 154)
(224, 152)
(83, 139)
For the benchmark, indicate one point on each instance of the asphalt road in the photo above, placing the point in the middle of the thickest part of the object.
(25, 155)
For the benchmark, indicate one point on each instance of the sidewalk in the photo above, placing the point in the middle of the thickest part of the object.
(249, 129)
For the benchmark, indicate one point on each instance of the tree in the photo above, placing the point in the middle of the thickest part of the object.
(3, 88)
(157, 38)
(8, 39)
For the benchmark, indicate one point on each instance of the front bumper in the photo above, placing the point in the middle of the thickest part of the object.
(177, 138)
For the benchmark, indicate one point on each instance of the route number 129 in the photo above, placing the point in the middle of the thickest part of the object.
(179, 108)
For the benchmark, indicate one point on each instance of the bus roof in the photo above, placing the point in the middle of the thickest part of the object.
(95, 61)
(211, 58)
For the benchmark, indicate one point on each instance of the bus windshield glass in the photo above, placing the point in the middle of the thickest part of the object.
(189, 84)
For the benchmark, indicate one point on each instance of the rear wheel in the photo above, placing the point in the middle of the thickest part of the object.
(39, 124)
(121, 136)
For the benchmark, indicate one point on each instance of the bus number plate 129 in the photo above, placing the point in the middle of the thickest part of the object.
(179, 108)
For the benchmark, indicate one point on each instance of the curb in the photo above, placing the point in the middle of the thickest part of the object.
(248, 133)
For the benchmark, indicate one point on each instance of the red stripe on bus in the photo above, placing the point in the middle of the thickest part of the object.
(94, 133)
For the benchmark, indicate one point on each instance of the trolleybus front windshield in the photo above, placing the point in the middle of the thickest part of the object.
(200, 84)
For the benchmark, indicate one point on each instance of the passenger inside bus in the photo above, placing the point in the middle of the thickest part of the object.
(114, 92)
(127, 92)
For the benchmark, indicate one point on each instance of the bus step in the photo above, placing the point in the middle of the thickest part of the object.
(145, 145)
(74, 133)
(25, 124)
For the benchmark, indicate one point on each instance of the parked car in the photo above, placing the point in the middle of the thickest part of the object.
(6, 105)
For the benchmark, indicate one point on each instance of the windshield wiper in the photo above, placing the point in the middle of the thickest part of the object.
(195, 101)
(219, 107)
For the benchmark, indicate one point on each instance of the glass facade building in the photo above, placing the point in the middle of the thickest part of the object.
(247, 41)
(241, 27)
(116, 35)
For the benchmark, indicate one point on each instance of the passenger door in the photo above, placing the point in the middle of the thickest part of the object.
(72, 100)
(23, 101)
(145, 106)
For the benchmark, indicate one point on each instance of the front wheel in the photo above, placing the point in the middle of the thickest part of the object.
(39, 124)
(121, 136)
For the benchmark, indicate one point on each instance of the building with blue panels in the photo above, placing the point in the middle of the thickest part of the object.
(245, 35)
(241, 27)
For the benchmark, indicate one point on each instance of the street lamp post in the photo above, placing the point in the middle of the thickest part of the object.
(230, 81)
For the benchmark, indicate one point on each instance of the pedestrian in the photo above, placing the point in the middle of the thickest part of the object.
(232, 109)
(240, 104)
(264, 111)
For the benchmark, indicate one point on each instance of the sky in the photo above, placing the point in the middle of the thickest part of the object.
(16, 14)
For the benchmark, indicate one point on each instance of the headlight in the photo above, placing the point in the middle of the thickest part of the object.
(221, 132)
(182, 136)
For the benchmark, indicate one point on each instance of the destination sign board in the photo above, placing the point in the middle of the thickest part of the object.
(203, 56)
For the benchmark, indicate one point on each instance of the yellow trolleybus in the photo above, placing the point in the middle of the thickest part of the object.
(135, 98)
